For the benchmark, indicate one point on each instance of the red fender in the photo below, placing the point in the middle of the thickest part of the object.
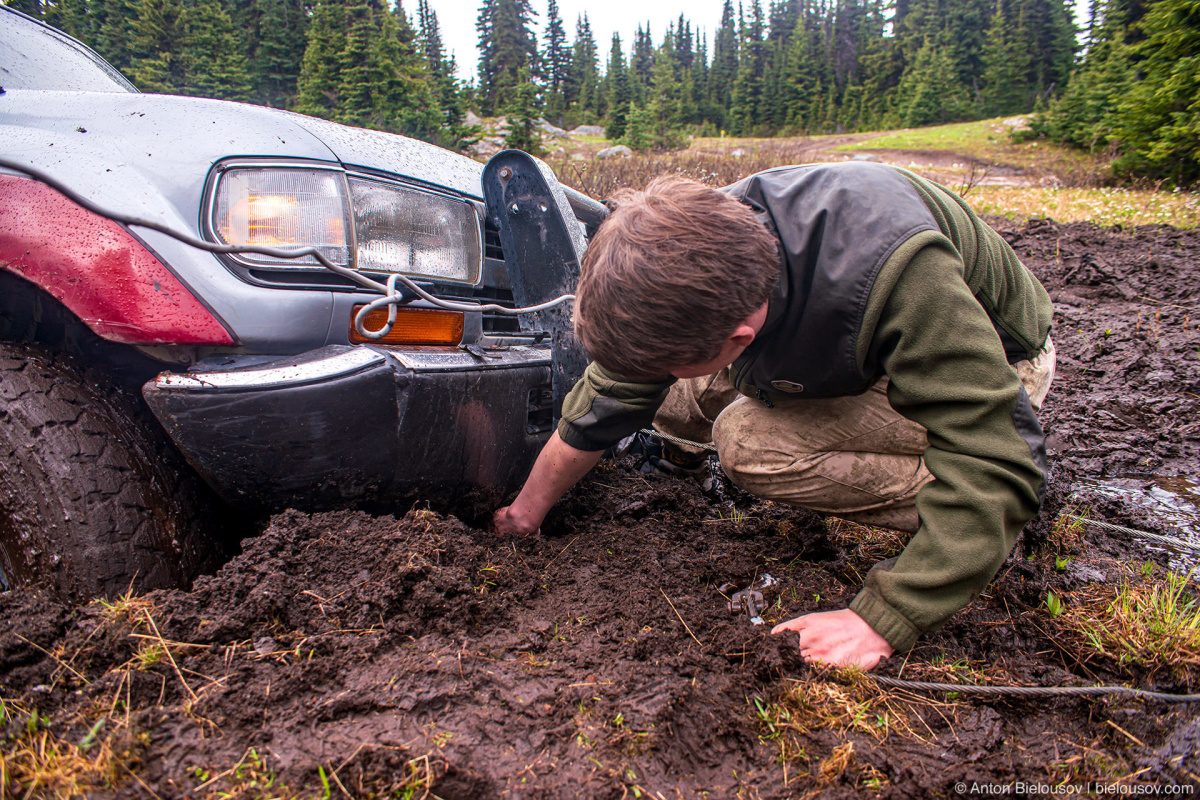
(98, 270)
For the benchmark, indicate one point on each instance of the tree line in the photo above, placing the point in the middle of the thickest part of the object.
(790, 67)
(1137, 92)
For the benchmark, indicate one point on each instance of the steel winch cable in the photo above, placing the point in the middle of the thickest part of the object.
(391, 297)
(676, 440)
(1034, 691)
(1172, 541)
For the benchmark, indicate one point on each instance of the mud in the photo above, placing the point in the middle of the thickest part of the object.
(399, 655)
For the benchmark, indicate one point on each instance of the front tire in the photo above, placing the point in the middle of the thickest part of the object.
(92, 498)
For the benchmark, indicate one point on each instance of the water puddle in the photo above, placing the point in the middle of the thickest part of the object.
(1173, 501)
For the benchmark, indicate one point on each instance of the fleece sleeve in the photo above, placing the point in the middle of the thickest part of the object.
(602, 408)
(948, 372)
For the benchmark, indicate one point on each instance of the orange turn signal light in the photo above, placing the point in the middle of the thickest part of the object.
(412, 326)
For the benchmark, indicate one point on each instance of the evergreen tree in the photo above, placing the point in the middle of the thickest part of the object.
(664, 106)
(557, 64)
(619, 92)
(158, 41)
(929, 93)
(214, 63)
(745, 112)
(724, 70)
(117, 37)
(320, 71)
(1006, 67)
(278, 51)
(408, 98)
(639, 129)
(582, 88)
(1085, 114)
(641, 64)
(441, 70)
(1159, 120)
(507, 47)
(188, 50)
(801, 80)
(522, 114)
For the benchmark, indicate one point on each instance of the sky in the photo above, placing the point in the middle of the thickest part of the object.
(457, 21)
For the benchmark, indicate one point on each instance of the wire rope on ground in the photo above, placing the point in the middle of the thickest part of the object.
(1034, 691)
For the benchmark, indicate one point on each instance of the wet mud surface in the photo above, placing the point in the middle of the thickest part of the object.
(344, 654)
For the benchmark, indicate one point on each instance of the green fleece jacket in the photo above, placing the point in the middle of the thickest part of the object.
(942, 311)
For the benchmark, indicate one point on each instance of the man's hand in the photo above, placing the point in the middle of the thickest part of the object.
(507, 522)
(838, 638)
(558, 467)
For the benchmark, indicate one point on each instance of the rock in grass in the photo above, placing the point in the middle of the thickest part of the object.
(588, 130)
(615, 151)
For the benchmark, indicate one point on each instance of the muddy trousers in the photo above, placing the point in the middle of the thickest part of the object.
(852, 457)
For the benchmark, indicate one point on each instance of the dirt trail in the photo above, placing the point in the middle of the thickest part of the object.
(600, 660)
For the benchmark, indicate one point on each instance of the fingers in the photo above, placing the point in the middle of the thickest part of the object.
(797, 624)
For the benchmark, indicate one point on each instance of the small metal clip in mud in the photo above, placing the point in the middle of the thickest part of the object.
(747, 600)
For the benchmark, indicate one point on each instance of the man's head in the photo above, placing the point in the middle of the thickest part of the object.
(670, 275)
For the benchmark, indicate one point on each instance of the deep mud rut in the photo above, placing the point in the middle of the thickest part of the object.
(344, 654)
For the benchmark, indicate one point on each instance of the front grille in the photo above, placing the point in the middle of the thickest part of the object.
(497, 323)
(491, 241)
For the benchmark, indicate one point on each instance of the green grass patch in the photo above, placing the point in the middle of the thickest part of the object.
(959, 137)
(1106, 206)
(1154, 625)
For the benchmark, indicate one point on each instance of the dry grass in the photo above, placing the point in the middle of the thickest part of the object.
(600, 178)
(962, 670)
(1154, 625)
(864, 541)
(847, 702)
(1105, 206)
(1066, 535)
(36, 761)
(1059, 183)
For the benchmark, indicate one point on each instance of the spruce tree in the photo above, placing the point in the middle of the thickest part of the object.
(441, 71)
(724, 69)
(276, 59)
(357, 72)
(1006, 67)
(745, 112)
(507, 48)
(1085, 114)
(929, 92)
(557, 64)
(619, 92)
(583, 85)
(801, 80)
(213, 61)
(404, 97)
(522, 114)
(158, 39)
(320, 71)
(1159, 120)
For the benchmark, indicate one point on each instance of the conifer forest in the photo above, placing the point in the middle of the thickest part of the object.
(1129, 82)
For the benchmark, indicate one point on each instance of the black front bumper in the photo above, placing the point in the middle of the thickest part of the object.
(349, 425)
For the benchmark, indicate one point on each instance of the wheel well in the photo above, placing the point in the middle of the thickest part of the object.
(30, 315)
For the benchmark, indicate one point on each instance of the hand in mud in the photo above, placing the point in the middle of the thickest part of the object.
(838, 638)
(507, 522)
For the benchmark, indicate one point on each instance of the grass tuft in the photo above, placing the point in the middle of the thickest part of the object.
(37, 762)
(1154, 625)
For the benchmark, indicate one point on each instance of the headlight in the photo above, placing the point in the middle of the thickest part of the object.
(282, 208)
(394, 228)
